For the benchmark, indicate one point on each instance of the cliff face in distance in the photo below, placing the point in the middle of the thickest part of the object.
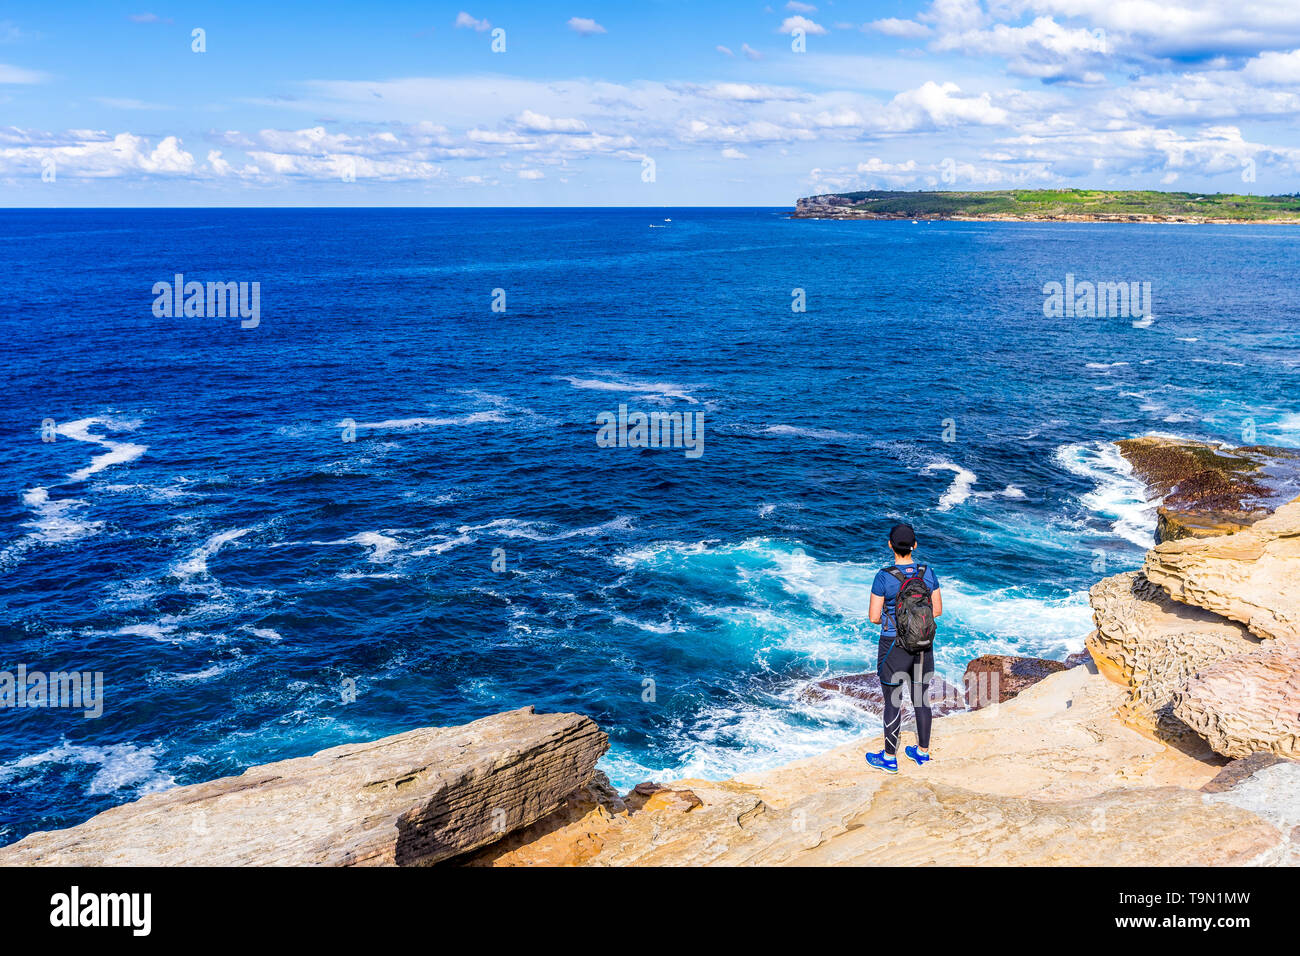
(1051, 205)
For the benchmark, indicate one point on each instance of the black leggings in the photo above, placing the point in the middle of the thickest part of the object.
(898, 669)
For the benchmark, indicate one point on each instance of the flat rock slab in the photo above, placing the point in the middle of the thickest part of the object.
(413, 798)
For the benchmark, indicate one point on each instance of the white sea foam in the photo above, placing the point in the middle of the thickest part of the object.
(200, 676)
(539, 531)
(54, 520)
(1022, 623)
(445, 545)
(473, 418)
(959, 490)
(381, 546)
(118, 452)
(798, 431)
(1104, 365)
(644, 389)
(1118, 495)
(197, 562)
(120, 766)
(157, 632)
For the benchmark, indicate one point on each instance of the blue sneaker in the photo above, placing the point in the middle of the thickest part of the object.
(916, 755)
(882, 762)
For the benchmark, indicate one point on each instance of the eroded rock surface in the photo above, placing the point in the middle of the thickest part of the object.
(1247, 704)
(1153, 645)
(1249, 576)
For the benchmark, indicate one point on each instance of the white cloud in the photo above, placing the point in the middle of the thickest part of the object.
(531, 174)
(933, 105)
(809, 27)
(746, 92)
(1043, 49)
(94, 155)
(1274, 69)
(466, 22)
(585, 26)
(539, 123)
(750, 52)
(732, 153)
(796, 7)
(724, 50)
(219, 165)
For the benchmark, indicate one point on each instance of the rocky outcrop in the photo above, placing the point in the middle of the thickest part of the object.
(413, 798)
(1207, 489)
(1153, 645)
(1247, 704)
(1252, 576)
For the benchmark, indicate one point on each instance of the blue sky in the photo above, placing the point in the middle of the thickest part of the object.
(651, 103)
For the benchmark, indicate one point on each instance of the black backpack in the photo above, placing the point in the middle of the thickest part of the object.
(913, 612)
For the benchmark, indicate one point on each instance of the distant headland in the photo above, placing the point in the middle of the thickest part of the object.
(1053, 205)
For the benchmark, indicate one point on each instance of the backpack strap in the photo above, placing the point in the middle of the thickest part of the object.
(896, 574)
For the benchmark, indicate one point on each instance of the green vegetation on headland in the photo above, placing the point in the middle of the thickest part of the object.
(1070, 205)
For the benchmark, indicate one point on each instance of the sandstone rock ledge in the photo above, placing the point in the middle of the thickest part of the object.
(413, 798)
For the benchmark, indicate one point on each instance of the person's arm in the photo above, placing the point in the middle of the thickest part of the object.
(877, 606)
(936, 598)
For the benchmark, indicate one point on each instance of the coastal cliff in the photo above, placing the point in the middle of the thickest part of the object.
(1050, 205)
(1174, 741)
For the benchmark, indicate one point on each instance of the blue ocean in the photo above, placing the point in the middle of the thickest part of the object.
(385, 506)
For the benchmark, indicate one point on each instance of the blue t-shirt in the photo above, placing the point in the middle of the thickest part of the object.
(887, 586)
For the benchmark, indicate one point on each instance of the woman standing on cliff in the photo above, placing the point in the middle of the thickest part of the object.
(905, 601)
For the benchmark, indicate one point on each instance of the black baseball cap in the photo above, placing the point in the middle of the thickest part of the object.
(902, 534)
